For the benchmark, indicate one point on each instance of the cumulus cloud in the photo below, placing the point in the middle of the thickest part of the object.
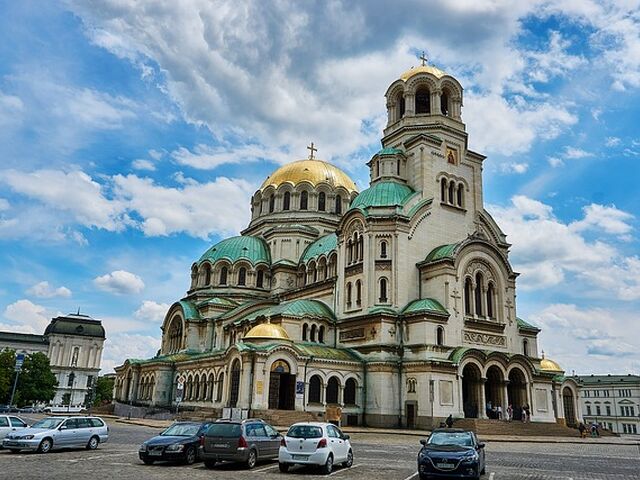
(45, 290)
(142, 164)
(605, 218)
(153, 311)
(573, 152)
(119, 347)
(514, 167)
(27, 316)
(120, 282)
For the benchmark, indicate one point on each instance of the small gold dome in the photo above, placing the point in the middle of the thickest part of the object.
(549, 365)
(267, 331)
(312, 171)
(422, 69)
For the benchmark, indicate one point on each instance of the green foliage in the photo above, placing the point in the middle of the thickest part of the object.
(104, 390)
(66, 399)
(36, 382)
(7, 362)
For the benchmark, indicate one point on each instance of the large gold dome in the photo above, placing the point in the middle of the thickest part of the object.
(312, 171)
(422, 69)
(548, 365)
(269, 331)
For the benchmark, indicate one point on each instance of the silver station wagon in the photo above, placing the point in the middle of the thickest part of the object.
(59, 432)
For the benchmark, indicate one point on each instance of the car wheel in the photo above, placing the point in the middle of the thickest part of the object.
(13, 450)
(93, 443)
(190, 456)
(483, 471)
(252, 459)
(327, 468)
(45, 445)
(349, 461)
(210, 463)
(148, 461)
(284, 467)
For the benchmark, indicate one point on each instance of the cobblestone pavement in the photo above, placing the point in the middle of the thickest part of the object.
(387, 457)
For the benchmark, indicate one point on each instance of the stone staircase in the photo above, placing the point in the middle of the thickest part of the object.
(515, 428)
(284, 418)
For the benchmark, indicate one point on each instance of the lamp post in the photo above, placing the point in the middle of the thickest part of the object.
(18, 369)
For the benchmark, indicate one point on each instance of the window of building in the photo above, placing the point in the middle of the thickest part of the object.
(401, 105)
(440, 336)
(286, 202)
(74, 356)
(272, 203)
(383, 249)
(383, 290)
(260, 279)
(242, 276)
(322, 199)
(71, 379)
(312, 337)
(350, 387)
(452, 192)
(479, 288)
(460, 194)
(338, 204)
(467, 296)
(304, 200)
(423, 101)
(525, 348)
(411, 385)
(332, 390)
(207, 275)
(444, 104)
(348, 294)
(490, 297)
(608, 407)
(321, 334)
(314, 389)
(358, 293)
(588, 409)
(598, 410)
(443, 190)
(305, 327)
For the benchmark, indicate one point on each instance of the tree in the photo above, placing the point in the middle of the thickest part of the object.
(7, 362)
(104, 390)
(36, 382)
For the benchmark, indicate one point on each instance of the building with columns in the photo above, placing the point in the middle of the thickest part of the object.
(74, 346)
(396, 304)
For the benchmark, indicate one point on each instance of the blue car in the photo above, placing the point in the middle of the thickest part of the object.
(451, 453)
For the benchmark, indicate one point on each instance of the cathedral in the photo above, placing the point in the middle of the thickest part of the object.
(393, 306)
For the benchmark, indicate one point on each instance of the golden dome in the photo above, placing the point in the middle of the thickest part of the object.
(267, 331)
(548, 365)
(422, 69)
(312, 171)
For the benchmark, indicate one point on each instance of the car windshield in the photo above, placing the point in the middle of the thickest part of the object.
(224, 430)
(462, 439)
(48, 423)
(304, 431)
(181, 430)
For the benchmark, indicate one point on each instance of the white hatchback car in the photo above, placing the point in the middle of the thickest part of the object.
(311, 443)
(10, 423)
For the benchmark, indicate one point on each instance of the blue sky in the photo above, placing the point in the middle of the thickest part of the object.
(132, 136)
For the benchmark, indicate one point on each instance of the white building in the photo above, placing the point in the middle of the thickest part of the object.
(397, 304)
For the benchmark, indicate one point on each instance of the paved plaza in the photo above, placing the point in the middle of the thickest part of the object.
(377, 456)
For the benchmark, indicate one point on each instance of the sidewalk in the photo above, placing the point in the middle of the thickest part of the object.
(416, 433)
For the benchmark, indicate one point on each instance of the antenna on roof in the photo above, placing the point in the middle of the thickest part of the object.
(78, 311)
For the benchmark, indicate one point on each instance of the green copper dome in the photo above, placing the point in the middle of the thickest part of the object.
(323, 245)
(253, 249)
(383, 194)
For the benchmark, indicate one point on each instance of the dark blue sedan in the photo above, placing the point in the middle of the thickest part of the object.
(178, 443)
(451, 453)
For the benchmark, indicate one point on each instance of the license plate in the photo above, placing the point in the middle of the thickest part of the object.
(300, 457)
(445, 465)
(220, 445)
(155, 453)
(10, 443)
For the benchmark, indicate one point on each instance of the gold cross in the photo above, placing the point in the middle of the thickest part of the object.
(311, 150)
(423, 58)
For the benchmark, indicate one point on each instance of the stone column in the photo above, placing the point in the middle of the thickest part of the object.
(435, 102)
(245, 384)
(505, 393)
(482, 413)
(409, 104)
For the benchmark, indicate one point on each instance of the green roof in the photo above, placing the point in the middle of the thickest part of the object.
(189, 310)
(28, 338)
(425, 305)
(389, 151)
(443, 251)
(284, 262)
(253, 249)
(309, 349)
(527, 326)
(383, 194)
(321, 246)
(294, 308)
(224, 302)
(76, 324)
(382, 309)
(595, 379)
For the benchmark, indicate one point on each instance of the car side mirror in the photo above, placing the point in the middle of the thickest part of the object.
(346, 437)
(423, 442)
(481, 445)
(63, 427)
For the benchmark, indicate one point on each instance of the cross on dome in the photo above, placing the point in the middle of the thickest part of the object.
(311, 151)
(423, 58)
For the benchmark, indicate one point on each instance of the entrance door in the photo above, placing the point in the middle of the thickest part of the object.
(411, 415)
(282, 387)
(569, 411)
(471, 383)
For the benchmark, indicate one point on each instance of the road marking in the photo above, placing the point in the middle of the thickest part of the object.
(411, 476)
(264, 469)
(492, 475)
(343, 470)
(83, 459)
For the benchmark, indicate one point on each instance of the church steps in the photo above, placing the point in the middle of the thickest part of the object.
(515, 428)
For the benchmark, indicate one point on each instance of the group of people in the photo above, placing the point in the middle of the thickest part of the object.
(594, 428)
(518, 413)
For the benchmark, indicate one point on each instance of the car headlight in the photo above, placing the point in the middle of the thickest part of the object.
(27, 437)
(143, 448)
(175, 448)
(471, 457)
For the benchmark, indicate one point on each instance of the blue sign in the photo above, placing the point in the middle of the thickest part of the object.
(19, 361)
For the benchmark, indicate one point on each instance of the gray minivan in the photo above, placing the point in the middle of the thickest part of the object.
(246, 441)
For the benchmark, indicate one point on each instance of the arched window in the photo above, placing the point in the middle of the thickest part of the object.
(401, 106)
(207, 275)
(72, 377)
(314, 389)
(490, 298)
(286, 202)
(348, 294)
(322, 199)
(383, 290)
(440, 336)
(358, 293)
(210, 384)
(378, 168)
(525, 347)
(356, 246)
(260, 279)
(350, 251)
(313, 333)
(460, 194)
(423, 101)
(350, 392)
(398, 167)
(304, 200)
(383, 249)
(235, 383)
(338, 204)
(332, 390)
(321, 334)
(479, 288)
(223, 275)
(242, 276)
(272, 203)
(467, 296)
(305, 327)
(360, 247)
(443, 189)
(444, 103)
(452, 189)
(220, 387)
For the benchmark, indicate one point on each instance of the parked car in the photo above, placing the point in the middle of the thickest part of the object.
(312, 443)
(8, 409)
(27, 410)
(57, 433)
(10, 423)
(451, 452)
(178, 443)
(246, 441)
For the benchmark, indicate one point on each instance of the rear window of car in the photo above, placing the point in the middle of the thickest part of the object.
(4, 422)
(96, 422)
(305, 431)
(224, 430)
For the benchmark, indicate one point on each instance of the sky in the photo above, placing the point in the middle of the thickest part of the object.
(133, 134)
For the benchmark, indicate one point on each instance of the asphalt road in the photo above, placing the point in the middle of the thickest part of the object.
(387, 457)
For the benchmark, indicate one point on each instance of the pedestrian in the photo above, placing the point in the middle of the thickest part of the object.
(499, 412)
(583, 430)
(509, 413)
(449, 421)
(594, 430)
(527, 411)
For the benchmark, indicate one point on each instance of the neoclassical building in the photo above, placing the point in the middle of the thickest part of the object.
(397, 303)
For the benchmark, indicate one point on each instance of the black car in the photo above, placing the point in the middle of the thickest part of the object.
(451, 453)
(178, 443)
